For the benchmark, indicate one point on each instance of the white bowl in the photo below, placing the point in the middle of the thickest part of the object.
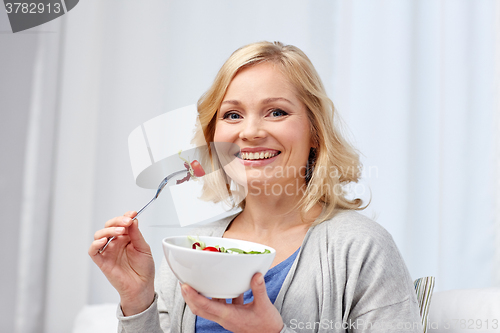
(214, 274)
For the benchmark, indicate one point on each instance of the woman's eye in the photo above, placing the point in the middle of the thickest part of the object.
(278, 113)
(231, 116)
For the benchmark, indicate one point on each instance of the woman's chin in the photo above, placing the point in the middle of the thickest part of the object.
(275, 187)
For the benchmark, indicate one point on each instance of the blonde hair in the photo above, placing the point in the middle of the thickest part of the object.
(337, 163)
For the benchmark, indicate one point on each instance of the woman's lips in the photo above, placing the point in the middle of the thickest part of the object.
(258, 155)
(251, 159)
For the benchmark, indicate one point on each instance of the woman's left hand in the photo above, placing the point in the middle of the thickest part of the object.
(257, 316)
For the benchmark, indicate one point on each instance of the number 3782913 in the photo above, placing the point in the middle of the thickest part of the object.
(32, 8)
(472, 324)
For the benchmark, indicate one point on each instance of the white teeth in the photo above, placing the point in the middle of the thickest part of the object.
(257, 156)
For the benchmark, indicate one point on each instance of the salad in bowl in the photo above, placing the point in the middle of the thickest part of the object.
(214, 266)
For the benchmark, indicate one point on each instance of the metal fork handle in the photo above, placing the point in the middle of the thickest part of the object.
(138, 213)
(160, 188)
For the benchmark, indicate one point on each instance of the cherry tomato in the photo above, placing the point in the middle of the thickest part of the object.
(211, 248)
(197, 169)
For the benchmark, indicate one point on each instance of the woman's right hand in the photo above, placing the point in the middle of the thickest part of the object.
(127, 262)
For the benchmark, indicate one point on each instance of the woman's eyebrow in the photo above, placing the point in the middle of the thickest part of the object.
(265, 101)
(274, 99)
(233, 102)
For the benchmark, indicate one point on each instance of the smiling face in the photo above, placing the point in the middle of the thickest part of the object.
(263, 115)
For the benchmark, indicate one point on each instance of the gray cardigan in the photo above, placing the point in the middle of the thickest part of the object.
(348, 277)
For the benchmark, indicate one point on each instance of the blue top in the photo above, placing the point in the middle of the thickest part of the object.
(274, 280)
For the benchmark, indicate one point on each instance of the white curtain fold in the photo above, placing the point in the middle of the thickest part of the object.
(34, 220)
(37, 185)
(496, 162)
(416, 82)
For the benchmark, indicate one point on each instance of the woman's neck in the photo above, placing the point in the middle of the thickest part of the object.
(266, 215)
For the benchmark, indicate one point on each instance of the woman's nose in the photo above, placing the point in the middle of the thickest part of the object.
(252, 129)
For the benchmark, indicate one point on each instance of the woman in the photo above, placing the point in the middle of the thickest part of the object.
(334, 270)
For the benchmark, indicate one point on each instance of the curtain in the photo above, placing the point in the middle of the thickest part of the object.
(413, 81)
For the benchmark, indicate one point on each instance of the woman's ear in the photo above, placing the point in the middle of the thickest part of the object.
(311, 162)
(314, 143)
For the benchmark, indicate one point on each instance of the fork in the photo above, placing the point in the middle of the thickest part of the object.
(158, 191)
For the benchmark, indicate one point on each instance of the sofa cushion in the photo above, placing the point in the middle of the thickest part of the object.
(100, 318)
(466, 310)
